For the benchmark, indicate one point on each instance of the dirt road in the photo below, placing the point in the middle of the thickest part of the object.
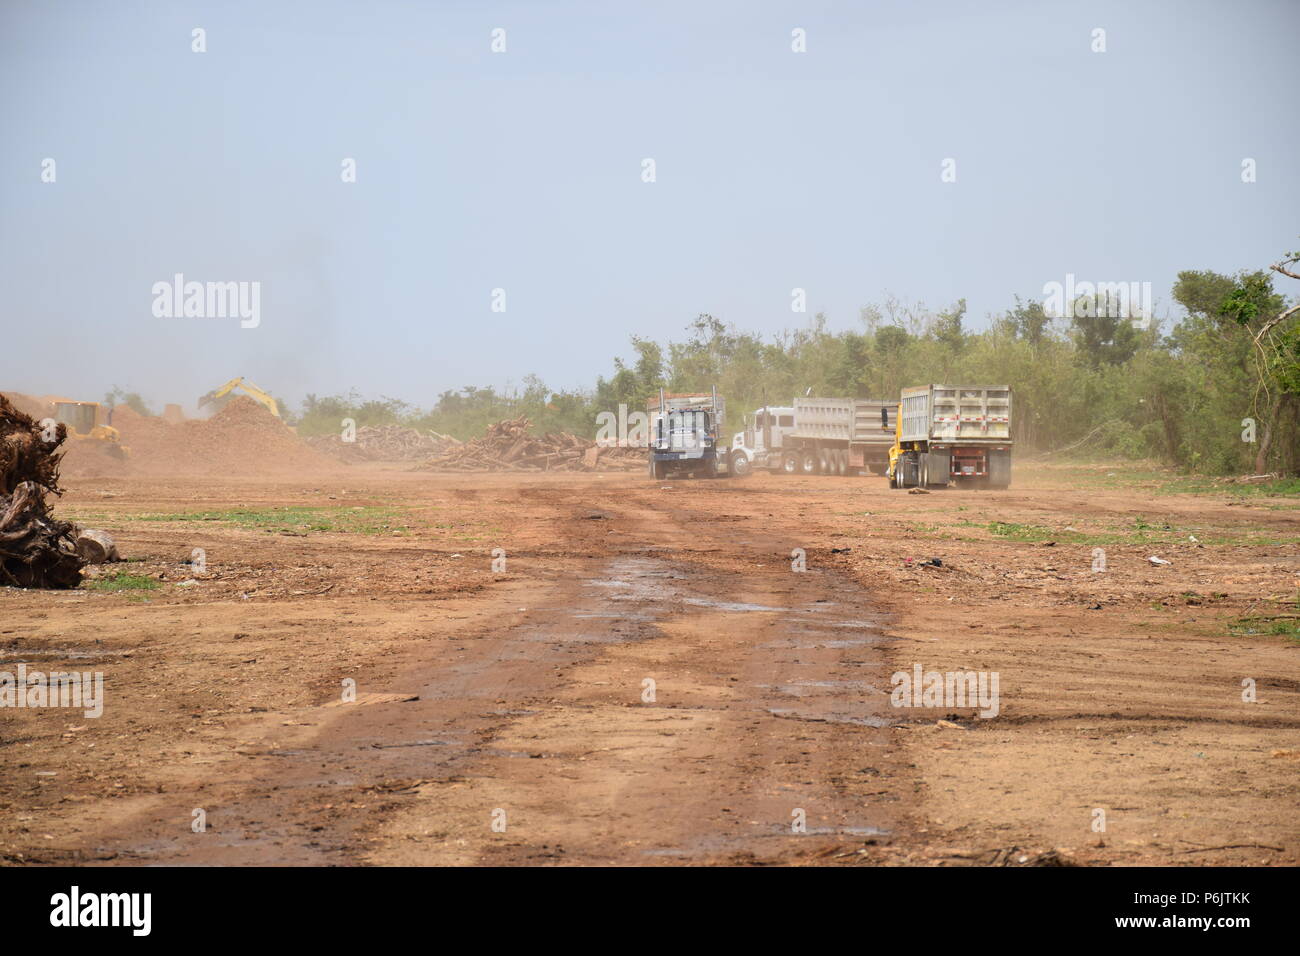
(673, 672)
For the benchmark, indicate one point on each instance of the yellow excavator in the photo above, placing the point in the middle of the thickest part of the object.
(83, 423)
(249, 389)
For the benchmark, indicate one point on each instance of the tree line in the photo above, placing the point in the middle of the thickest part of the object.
(1216, 391)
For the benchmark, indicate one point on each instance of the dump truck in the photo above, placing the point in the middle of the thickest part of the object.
(838, 436)
(684, 432)
(952, 434)
(818, 436)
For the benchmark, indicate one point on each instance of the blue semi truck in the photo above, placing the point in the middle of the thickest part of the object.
(685, 433)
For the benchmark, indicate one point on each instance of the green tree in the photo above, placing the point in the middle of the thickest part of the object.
(1274, 348)
(132, 400)
(1104, 333)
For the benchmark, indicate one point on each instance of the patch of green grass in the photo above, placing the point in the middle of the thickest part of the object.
(1166, 482)
(1019, 532)
(123, 581)
(1281, 626)
(1142, 532)
(920, 527)
(299, 519)
(1192, 485)
(1034, 533)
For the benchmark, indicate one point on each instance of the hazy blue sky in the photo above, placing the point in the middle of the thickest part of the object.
(522, 170)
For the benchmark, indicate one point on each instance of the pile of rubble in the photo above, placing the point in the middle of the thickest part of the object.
(383, 443)
(510, 446)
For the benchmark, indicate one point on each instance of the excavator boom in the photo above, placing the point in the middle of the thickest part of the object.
(252, 391)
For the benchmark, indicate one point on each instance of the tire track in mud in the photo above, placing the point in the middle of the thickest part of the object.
(769, 710)
(768, 700)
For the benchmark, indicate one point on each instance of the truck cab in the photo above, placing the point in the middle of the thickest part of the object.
(684, 435)
(759, 445)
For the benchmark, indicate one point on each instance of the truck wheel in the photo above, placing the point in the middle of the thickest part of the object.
(924, 480)
(809, 463)
(842, 466)
(710, 469)
(791, 464)
(658, 470)
(824, 466)
(740, 465)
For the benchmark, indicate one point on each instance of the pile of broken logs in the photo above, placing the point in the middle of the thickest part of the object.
(36, 549)
(383, 443)
(510, 446)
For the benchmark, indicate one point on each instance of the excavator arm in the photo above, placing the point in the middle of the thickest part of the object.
(217, 393)
(252, 390)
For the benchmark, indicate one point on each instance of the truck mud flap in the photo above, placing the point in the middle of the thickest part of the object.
(911, 471)
(999, 469)
(940, 467)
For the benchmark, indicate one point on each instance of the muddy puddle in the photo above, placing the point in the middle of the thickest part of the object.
(785, 650)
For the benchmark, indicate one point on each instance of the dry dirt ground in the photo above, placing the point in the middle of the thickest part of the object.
(648, 679)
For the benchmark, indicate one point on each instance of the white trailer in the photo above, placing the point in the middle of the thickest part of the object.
(817, 436)
(839, 436)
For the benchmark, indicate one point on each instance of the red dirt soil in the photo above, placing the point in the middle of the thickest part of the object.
(242, 438)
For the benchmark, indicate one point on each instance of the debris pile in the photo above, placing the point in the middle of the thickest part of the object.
(36, 549)
(242, 438)
(510, 446)
(383, 443)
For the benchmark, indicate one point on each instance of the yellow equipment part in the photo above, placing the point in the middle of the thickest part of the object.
(252, 390)
(81, 418)
(896, 449)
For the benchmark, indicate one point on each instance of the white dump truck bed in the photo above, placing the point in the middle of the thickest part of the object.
(969, 414)
(856, 420)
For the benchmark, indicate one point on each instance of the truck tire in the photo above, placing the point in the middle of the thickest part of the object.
(658, 470)
(739, 466)
(842, 466)
(924, 480)
(790, 463)
(808, 464)
(824, 461)
(911, 469)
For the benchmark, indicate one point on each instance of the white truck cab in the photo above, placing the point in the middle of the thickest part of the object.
(759, 445)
